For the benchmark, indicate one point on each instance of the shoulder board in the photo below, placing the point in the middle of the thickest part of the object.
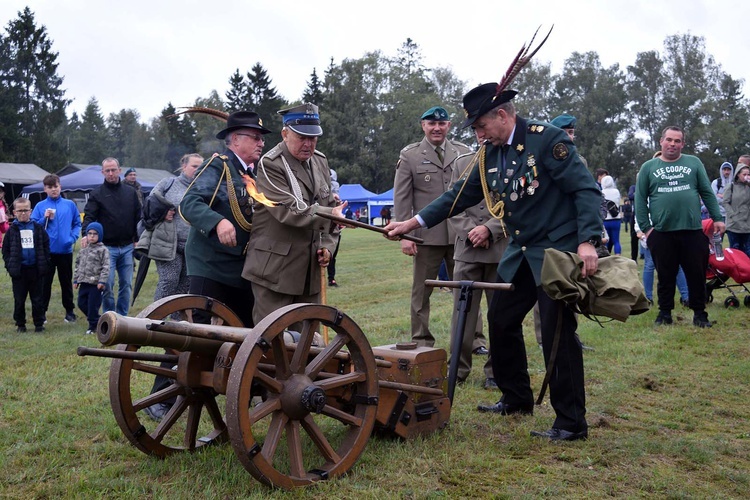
(410, 146)
(460, 145)
(318, 153)
(216, 156)
(536, 128)
(464, 155)
(273, 153)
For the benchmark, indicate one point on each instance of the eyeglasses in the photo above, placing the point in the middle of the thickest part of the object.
(255, 137)
(23, 211)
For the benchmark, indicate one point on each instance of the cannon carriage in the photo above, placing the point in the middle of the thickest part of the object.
(294, 412)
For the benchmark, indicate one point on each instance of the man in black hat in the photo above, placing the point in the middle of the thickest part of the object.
(289, 244)
(220, 213)
(531, 176)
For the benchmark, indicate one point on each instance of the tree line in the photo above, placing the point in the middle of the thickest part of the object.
(370, 109)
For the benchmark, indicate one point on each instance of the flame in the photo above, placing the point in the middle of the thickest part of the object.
(252, 190)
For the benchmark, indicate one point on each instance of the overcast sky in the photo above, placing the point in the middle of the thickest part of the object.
(143, 54)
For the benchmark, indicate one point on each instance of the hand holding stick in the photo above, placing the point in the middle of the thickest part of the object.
(353, 223)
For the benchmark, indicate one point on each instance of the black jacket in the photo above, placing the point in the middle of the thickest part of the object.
(13, 255)
(117, 208)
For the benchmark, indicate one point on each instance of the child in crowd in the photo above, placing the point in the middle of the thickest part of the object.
(26, 255)
(91, 275)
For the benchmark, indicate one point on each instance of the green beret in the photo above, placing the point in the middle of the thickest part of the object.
(564, 121)
(435, 113)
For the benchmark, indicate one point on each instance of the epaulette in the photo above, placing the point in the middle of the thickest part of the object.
(318, 153)
(223, 158)
(273, 153)
(459, 144)
(410, 146)
(470, 153)
(536, 129)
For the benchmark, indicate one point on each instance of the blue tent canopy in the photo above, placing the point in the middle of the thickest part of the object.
(83, 180)
(357, 197)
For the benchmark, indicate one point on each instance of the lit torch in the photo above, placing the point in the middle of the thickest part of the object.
(252, 190)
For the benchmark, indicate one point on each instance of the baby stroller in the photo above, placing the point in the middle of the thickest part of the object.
(723, 264)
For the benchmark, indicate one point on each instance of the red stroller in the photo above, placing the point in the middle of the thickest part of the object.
(724, 264)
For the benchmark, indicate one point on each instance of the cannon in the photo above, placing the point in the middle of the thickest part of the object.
(294, 412)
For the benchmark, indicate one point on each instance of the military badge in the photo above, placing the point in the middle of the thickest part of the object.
(427, 178)
(531, 161)
(559, 151)
(519, 148)
(513, 196)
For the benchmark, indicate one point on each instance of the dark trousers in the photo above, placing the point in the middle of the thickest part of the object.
(239, 300)
(63, 264)
(672, 249)
(29, 285)
(332, 263)
(508, 351)
(634, 248)
(89, 301)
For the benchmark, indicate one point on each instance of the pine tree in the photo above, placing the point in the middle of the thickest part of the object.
(32, 98)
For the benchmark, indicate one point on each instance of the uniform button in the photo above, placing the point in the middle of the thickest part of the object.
(518, 232)
(510, 213)
(503, 195)
(523, 248)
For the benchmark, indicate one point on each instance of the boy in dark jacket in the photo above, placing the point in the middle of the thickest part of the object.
(27, 256)
(91, 274)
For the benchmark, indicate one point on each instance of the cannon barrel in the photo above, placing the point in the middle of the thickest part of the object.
(115, 329)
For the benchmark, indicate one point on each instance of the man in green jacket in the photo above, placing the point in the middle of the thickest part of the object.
(531, 176)
(220, 212)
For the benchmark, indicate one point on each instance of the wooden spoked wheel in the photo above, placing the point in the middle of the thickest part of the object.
(186, 426)
(320, 403)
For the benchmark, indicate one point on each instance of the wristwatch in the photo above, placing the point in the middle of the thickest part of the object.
(595, 242)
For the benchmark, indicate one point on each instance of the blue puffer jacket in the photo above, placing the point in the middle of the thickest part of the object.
(64, 229)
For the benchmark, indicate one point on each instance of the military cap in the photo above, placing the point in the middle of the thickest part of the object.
(303, 119)
(131, 170)
(482, 99)
(564, 121)
(436, 113)
(243, 119)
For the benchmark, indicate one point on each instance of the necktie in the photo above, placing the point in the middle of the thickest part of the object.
(439, 151)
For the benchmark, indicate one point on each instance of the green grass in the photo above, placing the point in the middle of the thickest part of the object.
(667, 409)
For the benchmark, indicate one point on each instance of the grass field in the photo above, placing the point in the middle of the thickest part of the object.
(667, 408)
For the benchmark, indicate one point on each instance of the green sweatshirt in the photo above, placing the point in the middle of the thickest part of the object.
(668, 195)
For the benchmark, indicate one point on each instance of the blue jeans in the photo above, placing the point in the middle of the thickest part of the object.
(739, 241)
(648, 276)
(120, 261)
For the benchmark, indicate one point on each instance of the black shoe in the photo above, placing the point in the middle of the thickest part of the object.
(664, 318)
(157, 411)
(700, 319)
(39, 329)
(480, 351)
(507, 409)
(70, 317)
(21, 329)
(332, 283)
(561, 435)
(489, 383)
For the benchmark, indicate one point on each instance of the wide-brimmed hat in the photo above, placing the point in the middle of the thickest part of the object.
(243, 119)
(303, 119)
(482, 99)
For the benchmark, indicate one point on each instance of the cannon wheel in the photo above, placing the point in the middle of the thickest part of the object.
(320, 404)
(130, 385)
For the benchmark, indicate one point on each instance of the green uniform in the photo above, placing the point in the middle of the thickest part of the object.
(551, 200)
(204, 205)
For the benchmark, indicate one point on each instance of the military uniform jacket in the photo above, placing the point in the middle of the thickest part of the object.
(420, 179)
(205, 204)
(561, 212)
(282, 253)
(472, 217)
